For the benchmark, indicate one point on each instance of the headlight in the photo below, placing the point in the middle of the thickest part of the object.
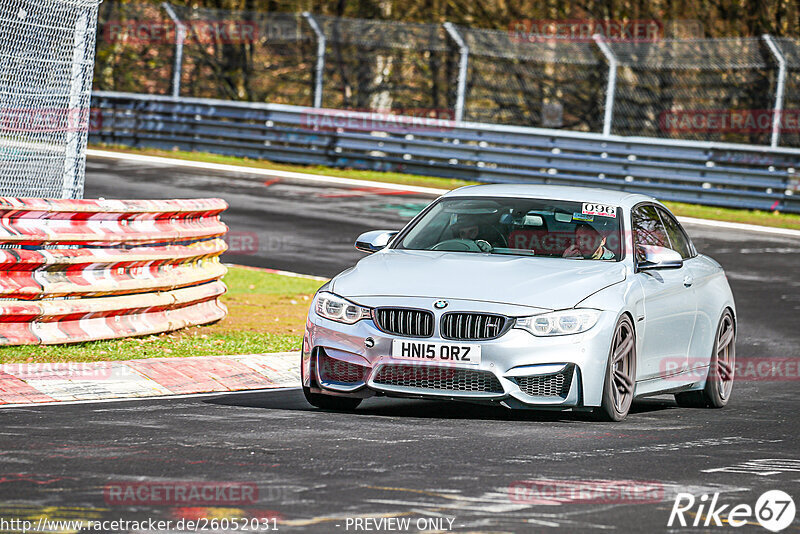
(559, 323)
(337, 309)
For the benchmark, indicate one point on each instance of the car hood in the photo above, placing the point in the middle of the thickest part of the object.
(550, 283)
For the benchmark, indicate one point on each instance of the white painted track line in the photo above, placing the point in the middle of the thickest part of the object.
(320, 178)
(176, 396)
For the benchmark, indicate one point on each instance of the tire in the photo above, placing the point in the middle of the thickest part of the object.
(719, 383)
(330, 402)
(620, 379)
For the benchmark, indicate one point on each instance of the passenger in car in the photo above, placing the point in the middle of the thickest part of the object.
(588, 244)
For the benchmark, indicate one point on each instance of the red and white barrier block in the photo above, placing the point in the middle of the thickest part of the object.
(84, 270)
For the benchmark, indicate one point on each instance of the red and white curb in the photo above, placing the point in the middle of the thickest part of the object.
(39, 383)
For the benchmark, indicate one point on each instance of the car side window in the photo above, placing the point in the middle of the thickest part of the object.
(648, 229)
(677, 237)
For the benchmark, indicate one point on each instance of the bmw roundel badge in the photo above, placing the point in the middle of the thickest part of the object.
(440, 304)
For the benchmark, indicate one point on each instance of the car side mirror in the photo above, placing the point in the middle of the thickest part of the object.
(655, 257)
(375, 240)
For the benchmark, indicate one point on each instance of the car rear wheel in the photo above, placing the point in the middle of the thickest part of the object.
(618, 388)
(719, 383)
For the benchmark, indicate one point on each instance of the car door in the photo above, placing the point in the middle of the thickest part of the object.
(670, 302)
(701, 271)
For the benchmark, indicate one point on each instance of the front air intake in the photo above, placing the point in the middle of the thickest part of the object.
(553, 385)
(438, 378)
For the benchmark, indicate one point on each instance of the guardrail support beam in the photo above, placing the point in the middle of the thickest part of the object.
(319, 69)
(777, 109)
(611, 88)
(463, 63)
(180, 37)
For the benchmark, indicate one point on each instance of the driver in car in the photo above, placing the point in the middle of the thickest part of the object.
(470, 231)
(588, 244)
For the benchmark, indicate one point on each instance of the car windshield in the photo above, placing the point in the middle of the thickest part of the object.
(524, 227)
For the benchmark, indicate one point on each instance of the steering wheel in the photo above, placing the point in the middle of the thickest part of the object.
(500, 234)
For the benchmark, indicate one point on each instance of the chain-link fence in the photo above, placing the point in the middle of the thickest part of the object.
(790, 50)
(46, 64)
(382, 65)
(551, 84)
(698, 89)
(680, 88)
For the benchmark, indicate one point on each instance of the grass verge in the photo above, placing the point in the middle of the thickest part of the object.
(267, 313)
(763, 218)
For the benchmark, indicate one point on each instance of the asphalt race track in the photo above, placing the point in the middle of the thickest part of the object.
(412, 459)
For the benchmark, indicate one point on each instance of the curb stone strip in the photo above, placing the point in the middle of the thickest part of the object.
(40, 383)
(16, 391)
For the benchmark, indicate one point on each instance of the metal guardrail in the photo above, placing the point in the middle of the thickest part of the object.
(718, 174)
(84, 270)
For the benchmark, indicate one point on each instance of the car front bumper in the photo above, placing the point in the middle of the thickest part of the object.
(523, 365)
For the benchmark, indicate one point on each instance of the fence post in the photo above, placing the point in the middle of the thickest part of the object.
(319, 69)
(74, 160)
(778, 107)
(463, 63)
(180, 37)
(611, 88)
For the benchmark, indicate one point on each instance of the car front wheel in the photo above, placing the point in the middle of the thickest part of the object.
(329, 402)
(620, 377)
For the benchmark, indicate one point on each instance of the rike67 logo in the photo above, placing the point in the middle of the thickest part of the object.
(774, 510)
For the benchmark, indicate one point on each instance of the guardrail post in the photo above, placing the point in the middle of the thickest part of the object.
(319, 69)
(463, 63)
(778, 107)
(611, 88)
(180, 37)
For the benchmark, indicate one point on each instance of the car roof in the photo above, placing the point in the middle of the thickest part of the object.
(553, 192)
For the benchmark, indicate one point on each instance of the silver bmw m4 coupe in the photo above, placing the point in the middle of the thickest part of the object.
(526, 296)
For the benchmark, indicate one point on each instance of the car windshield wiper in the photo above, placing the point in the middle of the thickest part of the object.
(512, 252)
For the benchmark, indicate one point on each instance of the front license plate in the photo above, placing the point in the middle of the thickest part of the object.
(436, 352)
